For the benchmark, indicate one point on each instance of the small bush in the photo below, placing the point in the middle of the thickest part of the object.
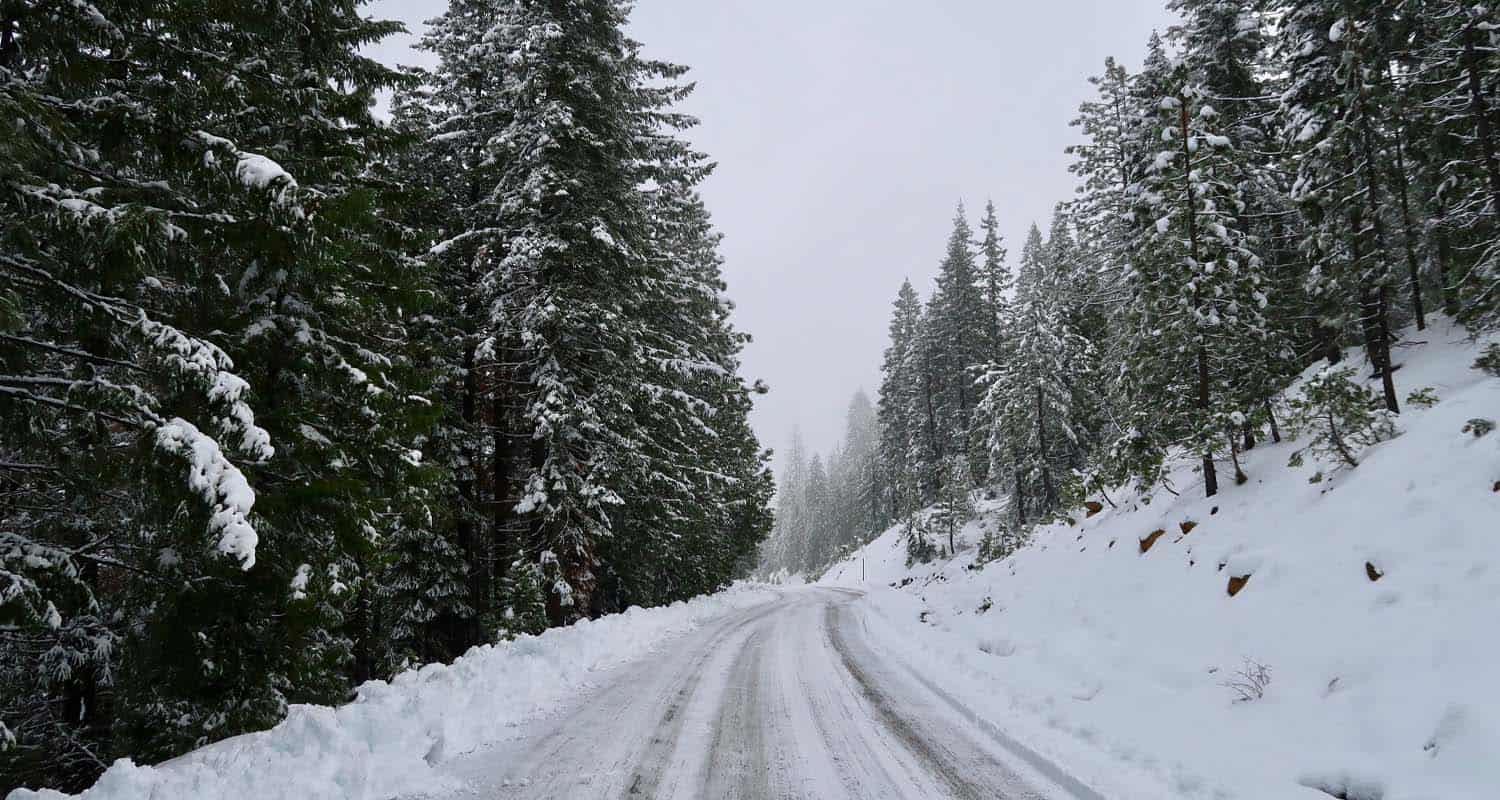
(1250, 681)
(920, 549)
(1425, 397)
(1340, 416)
(1489, 360)
(1479, 427)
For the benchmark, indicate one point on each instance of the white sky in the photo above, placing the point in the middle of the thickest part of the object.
(845, 132)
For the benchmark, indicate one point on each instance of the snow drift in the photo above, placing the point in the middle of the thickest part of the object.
(386, 742)
(1357, 658)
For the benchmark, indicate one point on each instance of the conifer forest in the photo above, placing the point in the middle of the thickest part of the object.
(316, 369)
(293, 397)
(1276, 182)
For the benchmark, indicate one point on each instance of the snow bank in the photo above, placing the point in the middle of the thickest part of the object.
(386, 742)
(1371, 599)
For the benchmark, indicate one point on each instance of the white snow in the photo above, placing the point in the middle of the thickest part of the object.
(258, 172)
(1115, 662)
(220, 483)
(388, 742)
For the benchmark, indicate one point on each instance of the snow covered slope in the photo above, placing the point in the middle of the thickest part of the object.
(386, 742)
(1372, 600)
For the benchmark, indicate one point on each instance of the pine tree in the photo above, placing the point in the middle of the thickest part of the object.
(1106, 161)
(1197, 290)
(954, 505)
(1452, 149)
(1335, 119)
(956, 340)
(898, 426)
(995, 283)
(230, 239)
(1029, 401)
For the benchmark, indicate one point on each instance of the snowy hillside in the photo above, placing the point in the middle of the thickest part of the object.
(388, 742)
(1370, 598)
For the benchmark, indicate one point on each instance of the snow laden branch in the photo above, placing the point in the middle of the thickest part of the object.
(254, 171)
(221, 485)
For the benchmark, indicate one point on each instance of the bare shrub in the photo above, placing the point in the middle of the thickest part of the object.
(1250, 681)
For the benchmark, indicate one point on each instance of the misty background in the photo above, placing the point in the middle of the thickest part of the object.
(846, 131)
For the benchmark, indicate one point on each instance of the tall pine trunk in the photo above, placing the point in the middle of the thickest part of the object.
(1480, 109)
(1374, 316)
(1050, 491)
(1210, 474)
(468, 536)
(1409, 236)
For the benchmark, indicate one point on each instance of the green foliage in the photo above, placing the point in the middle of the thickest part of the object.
(955, 503)
(1479, 427)
(917, 533)
(1425, 397)
(523, 600)
(1340, 418)
(1489, 360)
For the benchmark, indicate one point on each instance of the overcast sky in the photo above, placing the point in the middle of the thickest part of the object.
(845, 132)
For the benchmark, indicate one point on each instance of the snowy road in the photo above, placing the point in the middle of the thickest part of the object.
(781, 700)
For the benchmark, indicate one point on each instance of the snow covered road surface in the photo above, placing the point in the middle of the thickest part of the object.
(780, 700)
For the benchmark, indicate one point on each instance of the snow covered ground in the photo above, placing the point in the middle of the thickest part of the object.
(1372, 601)
(779, 701)
(760, 693)
(391, 740)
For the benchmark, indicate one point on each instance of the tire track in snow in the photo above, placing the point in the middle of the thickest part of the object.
(1021, 788)
(737, 768)
(652, 765)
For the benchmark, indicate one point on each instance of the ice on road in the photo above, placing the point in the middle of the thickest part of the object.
(780, 700)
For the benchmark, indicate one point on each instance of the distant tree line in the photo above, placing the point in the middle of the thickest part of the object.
(1279, 181)
(292, 397)
(826, 507)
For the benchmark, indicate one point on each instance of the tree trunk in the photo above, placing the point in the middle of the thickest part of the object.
(501, 509)
(1372, 316)
(1373, 301)
(467, 535)
(1275, 431)
(1019, 498)
(1337, 440)
(8, 48)
(1234, 458)
(1210, 476)
(1447, 266)
(1408, 237)
(1050, 496)
(1480, 110)
(934, 477)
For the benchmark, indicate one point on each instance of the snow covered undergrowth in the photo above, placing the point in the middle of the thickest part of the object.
(386, 742)
(1372, 600)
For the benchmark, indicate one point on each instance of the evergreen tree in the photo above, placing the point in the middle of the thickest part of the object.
(203, 184)
(898, 426)
(1335, 118)
(956, 338)
(995, 283)
(1029, 400)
